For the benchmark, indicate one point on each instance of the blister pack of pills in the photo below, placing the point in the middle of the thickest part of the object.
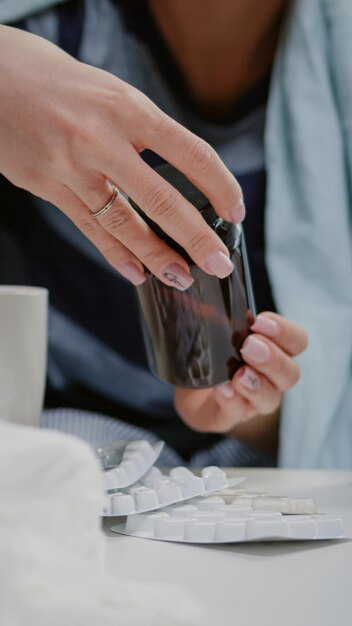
(210, 520)
(155, 489)
(126, 462)
(183, 506)
(241, 498)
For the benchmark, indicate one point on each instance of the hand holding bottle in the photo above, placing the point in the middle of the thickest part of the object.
(239, 406)
(70, 130)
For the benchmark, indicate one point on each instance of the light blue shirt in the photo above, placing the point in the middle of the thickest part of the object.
(308, 225)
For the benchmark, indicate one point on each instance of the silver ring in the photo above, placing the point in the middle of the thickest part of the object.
(108, 205)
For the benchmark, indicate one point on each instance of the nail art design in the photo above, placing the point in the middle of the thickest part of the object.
(173, 279)
(250, 379)
(177, 276)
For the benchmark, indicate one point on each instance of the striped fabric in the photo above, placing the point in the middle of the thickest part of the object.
(99, 430)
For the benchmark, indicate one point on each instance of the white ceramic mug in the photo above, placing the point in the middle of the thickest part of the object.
(23, 348)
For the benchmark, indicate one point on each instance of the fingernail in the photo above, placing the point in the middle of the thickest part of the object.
(239, 212)
(177, 276)
(219, 264)
(265, 325)
(249, 378)
(226, 390)
(255, 350)
(132, 273)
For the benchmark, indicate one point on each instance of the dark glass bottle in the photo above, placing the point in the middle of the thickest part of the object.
(193, 337)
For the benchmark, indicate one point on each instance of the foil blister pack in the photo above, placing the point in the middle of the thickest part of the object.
(156, 490)
(206, 507)
(262, 501)
(212, 521)
(130, 461)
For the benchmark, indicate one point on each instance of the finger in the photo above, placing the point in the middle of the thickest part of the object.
(268, 359)
(209, 410)
(232, 408)
(290, 336)
(124, 225)
(175, 215)
(122, 259)
(199, 162)
(94, 189)
(257, 390)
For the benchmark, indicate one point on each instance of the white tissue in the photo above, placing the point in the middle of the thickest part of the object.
(52, 550)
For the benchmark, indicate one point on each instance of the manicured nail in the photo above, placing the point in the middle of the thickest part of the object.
(132, 273)
(249, 378)
(255, 350)
(239, 212)
(219, 264)
(226, 390)
(265, 325)
(177, 276)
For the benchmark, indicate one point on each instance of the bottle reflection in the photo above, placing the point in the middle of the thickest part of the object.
(194, 337)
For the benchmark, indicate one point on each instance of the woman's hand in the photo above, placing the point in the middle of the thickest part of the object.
(68, 129)
(248, 406)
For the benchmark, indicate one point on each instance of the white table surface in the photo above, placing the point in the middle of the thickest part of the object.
(261, 584)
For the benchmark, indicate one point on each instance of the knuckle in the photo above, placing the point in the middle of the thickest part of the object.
(198, 241)
(201, 156)
(163, 126)
(110, 250)
(160, 124)
(121, 97)
(97, 187)
(110, 255)
(118, 219)
(81, 133)
(149, 256)
(142, 112)
(160, 203)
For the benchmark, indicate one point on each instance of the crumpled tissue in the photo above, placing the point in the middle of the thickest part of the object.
(52, 549)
